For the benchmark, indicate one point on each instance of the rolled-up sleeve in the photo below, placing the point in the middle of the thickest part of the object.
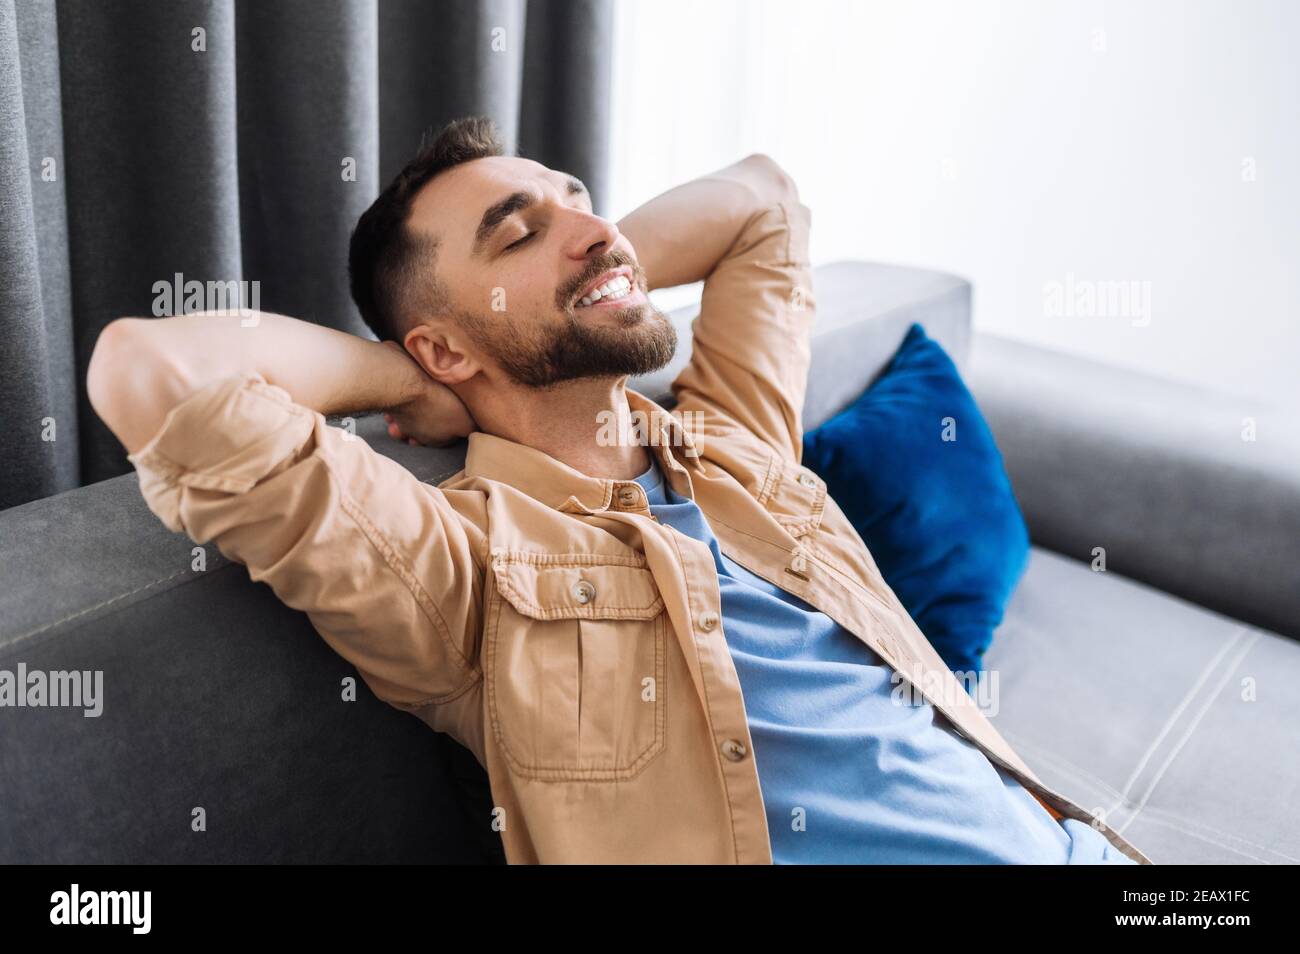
(751, 342)
(385, 568)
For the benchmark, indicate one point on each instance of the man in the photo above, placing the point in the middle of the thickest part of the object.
(665, 643)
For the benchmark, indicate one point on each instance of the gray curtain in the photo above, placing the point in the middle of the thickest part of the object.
(127, 156)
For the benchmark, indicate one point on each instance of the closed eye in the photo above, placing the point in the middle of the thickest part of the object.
(520, 242)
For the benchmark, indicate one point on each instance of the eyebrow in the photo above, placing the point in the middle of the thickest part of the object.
(515, 202)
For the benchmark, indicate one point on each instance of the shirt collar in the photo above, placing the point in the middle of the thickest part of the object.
(560, 486)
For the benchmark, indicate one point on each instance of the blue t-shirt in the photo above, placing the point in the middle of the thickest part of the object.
(848, 774)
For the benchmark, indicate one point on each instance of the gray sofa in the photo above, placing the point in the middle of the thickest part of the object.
(221, 704)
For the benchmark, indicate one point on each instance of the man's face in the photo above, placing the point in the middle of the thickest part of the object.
(520, 249)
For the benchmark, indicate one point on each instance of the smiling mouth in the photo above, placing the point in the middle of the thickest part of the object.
(620, 288)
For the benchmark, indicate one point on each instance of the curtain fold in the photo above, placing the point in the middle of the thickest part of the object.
(236, 140)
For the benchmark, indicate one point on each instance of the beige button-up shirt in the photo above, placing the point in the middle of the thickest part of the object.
(543, 617)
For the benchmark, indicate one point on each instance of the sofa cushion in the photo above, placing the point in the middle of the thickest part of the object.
(915, 469)
(1190, 751)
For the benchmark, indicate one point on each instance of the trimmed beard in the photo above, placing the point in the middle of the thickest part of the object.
(641, 339)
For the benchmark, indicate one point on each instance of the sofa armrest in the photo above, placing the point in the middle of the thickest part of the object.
(1164, 476)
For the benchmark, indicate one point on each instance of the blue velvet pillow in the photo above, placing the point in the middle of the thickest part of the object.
(913, 465)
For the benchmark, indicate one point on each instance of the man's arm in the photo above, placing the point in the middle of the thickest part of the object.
(143, 367)
(384, 565)
(744, 231)
(681, 235)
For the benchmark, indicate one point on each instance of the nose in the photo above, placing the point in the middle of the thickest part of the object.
(592, 235)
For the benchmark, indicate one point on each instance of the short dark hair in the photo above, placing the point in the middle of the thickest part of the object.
(391, 270)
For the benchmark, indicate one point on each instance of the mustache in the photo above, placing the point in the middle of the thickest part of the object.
(596, 268)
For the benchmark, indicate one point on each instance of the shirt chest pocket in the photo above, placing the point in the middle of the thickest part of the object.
(794, 496)
(574, 658)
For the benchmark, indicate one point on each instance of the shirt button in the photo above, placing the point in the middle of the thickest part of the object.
(734, 749)
(808, 480)
(583, 591)
(708, 620)
(627, 497)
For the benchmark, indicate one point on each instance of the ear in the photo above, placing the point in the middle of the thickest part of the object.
(443, 354)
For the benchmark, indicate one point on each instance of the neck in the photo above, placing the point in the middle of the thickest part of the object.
(572, 423)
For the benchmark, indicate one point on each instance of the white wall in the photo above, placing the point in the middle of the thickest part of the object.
(1014, 143)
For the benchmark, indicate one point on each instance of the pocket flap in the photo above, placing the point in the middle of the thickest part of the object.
(794, 495)
(577, 585)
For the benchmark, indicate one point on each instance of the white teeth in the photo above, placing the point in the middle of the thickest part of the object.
(613, 289)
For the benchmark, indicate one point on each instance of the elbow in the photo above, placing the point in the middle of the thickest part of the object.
(108, 366)
(129, 383)
(778, 184)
